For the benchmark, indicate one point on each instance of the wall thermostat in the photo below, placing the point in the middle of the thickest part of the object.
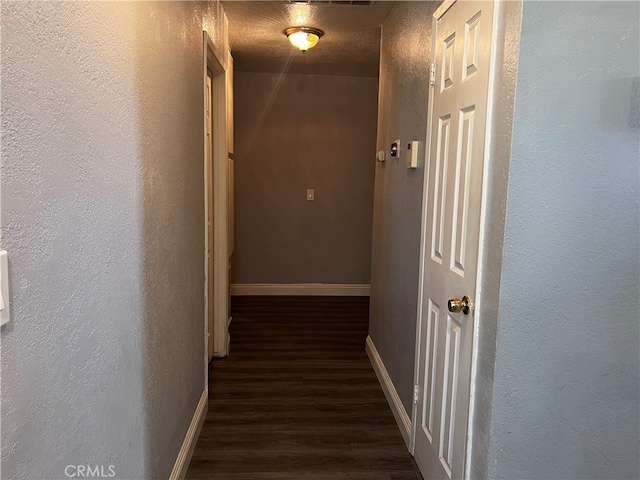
(412, 154)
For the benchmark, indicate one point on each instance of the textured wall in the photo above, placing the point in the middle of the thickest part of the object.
(566, 382)
(507, 44)
(402, 113)
(295, 132)
(102, 216)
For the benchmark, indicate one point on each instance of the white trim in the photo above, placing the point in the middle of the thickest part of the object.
(400, 414)
(190, 439)
(493, 97)
(220, 200)
(442, 9)
(208, 300)
(316, 289)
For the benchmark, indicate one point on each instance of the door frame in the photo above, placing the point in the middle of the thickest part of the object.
(220, 302)
(208, 214)
(501, 97)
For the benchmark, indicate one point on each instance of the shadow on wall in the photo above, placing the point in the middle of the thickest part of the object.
(169, 109)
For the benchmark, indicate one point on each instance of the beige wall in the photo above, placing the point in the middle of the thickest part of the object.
(295, 132)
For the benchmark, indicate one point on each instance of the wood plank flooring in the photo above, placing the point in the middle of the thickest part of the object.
(297, 398)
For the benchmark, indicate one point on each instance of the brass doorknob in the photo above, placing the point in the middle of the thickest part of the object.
(455, 305)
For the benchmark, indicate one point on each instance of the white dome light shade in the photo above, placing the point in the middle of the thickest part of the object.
(303, 38)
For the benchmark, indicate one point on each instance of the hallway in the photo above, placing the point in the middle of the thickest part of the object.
(297, 398)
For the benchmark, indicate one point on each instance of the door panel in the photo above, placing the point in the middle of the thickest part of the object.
(440, 193)
(462, 46)
(449, 387)
(431, 350)
(461, 194)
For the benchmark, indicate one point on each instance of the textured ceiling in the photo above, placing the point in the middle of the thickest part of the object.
(350, 45)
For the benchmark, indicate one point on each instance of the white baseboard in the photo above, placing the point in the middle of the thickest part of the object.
(319, 289)
(400, 414)
(190, 439)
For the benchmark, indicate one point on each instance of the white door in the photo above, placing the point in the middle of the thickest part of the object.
(208, 208)
(462, 34)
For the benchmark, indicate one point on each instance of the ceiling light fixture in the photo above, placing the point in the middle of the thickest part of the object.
(303, 38)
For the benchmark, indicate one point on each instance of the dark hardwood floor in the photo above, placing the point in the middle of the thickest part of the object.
(297, 398)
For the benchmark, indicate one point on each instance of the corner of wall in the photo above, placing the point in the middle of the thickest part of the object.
(506, 54)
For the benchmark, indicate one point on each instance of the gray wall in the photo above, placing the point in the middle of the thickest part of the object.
(566, 380)
(402, 113)
(102, 216)
(295, 132)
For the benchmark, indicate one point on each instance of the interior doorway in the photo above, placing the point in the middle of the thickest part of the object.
(216, 182)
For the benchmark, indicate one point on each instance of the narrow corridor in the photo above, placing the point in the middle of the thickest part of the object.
(297, 398)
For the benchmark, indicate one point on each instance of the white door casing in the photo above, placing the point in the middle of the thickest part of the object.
(218, 276)
(462, 36)
(208, 207)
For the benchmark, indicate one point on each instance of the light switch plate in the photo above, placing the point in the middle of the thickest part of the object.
(311, 194)
(5, 314)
